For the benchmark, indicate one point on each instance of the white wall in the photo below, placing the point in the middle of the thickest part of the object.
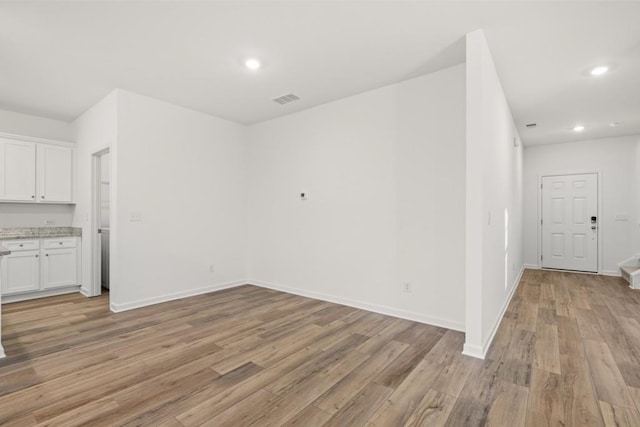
(94, 130)
(494, 186)
(384, 173)
(185, 173)
(28, 215)
(40, 127)
(616, 159)
(636, 195)
(636, 190)
(35, 215)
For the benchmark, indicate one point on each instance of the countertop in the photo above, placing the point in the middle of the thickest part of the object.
(37, 233)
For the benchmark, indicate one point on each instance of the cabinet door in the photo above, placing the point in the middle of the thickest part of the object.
(55, 173)
(17, 170)
(59, 268)
(20, 272)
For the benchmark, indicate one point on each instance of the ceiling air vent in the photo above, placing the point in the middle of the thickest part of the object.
(285, 99)
(532, 125)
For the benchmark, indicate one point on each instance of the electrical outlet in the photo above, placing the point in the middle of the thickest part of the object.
(135, 216)
(212, 268)
(406, 287)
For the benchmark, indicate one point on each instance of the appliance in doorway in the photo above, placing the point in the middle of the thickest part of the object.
(569, 223)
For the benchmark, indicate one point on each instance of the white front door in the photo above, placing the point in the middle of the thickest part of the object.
(570, 222)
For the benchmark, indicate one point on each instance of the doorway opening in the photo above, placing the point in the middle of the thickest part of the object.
(101, 218)
(569, 222)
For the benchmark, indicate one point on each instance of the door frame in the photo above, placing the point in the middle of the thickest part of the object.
(599, 204)
(96, 260)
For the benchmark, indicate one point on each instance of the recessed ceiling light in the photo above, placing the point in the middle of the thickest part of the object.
(598, 71)
(578, 128)
(614, 124)
(252, 64)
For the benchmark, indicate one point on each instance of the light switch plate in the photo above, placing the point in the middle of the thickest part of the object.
(622, 217)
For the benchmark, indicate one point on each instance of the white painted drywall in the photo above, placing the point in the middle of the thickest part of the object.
(35, 215)
(636, 196)
(616, 159)
(184, 173)
(94, 130)
(40, 127)
(384, 176)
(494, 245)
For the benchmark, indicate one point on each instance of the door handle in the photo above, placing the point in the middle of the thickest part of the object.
(593, 227)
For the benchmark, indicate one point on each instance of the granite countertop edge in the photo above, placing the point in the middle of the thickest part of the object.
(38, 233)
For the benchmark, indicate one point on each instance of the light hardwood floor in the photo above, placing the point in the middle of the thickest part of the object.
(567, 353)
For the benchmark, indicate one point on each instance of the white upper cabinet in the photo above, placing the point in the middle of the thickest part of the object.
(55, 174)
(37, 172)
(18, 170)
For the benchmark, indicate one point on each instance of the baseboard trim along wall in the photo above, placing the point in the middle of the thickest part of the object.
(2, 353)
(46, 293)
(117, 308)
(532, 266)
(481, 352)
(611, 273)
(388, 311)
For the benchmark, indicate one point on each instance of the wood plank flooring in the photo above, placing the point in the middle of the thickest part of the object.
(567, 353)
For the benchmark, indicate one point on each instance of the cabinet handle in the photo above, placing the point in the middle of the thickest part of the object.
(42, 197)
(33, 197)
(46, 254)
(21, 245)
(59, 243)
(37, 256)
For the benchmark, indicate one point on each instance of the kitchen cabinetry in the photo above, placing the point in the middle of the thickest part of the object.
(39, 265)
(35, 172)
(20, 272)
(55, 173)
(17, 170)
(59, 263)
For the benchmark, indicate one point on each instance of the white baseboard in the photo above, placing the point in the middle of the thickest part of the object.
(611, 273)
(480, 352)
(2, 353)
(117, 308)
(473, 350)
(7, 299)
(532, 266)
(388, 311)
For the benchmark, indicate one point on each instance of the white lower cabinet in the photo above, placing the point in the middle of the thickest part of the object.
(59, 268)
(21, 272)
(39, 265)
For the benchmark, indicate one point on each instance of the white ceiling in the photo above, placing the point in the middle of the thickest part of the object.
(59, 58)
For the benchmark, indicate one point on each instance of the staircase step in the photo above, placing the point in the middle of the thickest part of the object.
(629, 269)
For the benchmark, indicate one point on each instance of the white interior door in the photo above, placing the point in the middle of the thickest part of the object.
(570, 222)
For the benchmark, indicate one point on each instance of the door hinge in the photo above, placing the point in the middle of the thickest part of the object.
(541, 186)
(541, 257)
(541, 221)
